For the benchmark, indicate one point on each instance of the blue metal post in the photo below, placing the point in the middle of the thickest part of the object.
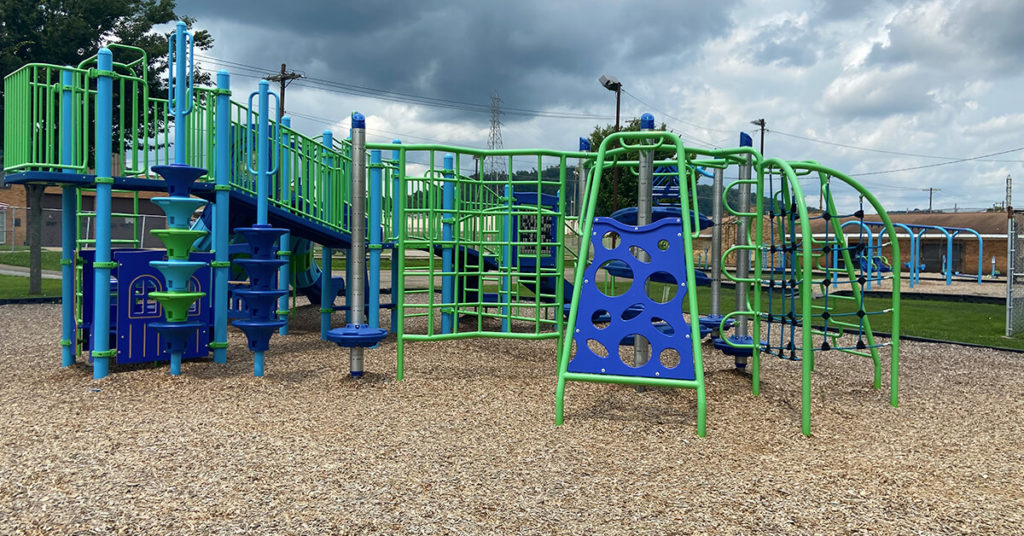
(396, 221)
(506, 261)
(179, 87)
(222, 262)
(263, 153)
(949, 259)
(448, 251)
(327, 292)
(68, 229)
(101, 267)
(375, 236)
(284, 249)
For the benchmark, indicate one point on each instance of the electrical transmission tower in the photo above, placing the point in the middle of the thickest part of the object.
(495, 168)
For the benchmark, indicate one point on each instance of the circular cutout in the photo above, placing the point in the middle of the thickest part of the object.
(663, 245)
(669, 358)
(640, 253)
(620, 270)
(600, 318)
(611, 240)
(628, 352)
(597, 348)
(633, 311)
(663, 326)
(662, 287)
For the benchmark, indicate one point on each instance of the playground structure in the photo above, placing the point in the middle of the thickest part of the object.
(501, 240)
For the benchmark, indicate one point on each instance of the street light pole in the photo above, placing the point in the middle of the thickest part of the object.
(612, 84)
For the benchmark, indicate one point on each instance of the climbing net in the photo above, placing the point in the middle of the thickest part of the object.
(815, 273)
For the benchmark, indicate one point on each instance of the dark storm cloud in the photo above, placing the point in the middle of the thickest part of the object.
(537, 54)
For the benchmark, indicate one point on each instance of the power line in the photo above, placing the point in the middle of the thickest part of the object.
(873, 150)
(937, 164)
(410, 98)
(670, 116)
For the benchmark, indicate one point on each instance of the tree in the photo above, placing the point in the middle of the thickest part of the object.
(627, 179)
(65, 32)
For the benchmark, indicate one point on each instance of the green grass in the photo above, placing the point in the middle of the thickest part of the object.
(13, 286)
(974, 323)
(385, 263)
(51, 259)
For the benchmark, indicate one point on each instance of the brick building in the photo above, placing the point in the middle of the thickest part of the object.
(14, 215)
(990, 225)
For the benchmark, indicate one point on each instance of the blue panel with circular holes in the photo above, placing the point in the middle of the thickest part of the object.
(606, 321)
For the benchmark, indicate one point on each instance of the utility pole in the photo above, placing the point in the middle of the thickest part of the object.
(1009, 190)
(760, 123)
(283, 78)
(612, 84)
(930, 192)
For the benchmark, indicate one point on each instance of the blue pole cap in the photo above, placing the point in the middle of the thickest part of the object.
(647, 122)
(396, 141)
(449, 161)
(746, 140)
(584, 144)
(358, 120)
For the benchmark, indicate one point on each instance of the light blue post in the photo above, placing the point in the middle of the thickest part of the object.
(327, 292)
(448, 249)
(373, 229)
(68, 226)
(506, 262)
(101, 352)
(222, 262)
(263, 154)
(180, 87)
(396, 221)
(284, 249)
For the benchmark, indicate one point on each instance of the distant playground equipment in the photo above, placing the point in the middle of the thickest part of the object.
(870, 254)
(473, 254)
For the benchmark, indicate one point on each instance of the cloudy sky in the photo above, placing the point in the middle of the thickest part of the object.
(867, 87)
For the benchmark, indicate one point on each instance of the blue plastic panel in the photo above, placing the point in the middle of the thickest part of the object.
(137, 341)
(633, 312)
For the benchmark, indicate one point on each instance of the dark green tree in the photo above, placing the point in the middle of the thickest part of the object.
(65, 32)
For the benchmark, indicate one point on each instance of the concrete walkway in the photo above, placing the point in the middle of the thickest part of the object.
(7, 269)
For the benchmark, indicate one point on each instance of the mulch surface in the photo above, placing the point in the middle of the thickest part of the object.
(467, 445)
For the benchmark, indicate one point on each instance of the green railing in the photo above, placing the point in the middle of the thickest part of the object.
(312, 181)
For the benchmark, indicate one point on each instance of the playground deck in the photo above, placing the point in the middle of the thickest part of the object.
(466, 444)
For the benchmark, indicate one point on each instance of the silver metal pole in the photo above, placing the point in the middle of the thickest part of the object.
(743, 256)
(716, 244)
(644, 201)
(357, 260)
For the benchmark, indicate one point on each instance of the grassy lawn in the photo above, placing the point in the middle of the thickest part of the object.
(385, 263)
(51, 259)
(13, 286)
(975, 323)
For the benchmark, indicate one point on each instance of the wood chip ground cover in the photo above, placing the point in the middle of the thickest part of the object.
(467, 445)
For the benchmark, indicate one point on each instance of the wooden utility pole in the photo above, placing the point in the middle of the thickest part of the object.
(283, 78)
(930, 192)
